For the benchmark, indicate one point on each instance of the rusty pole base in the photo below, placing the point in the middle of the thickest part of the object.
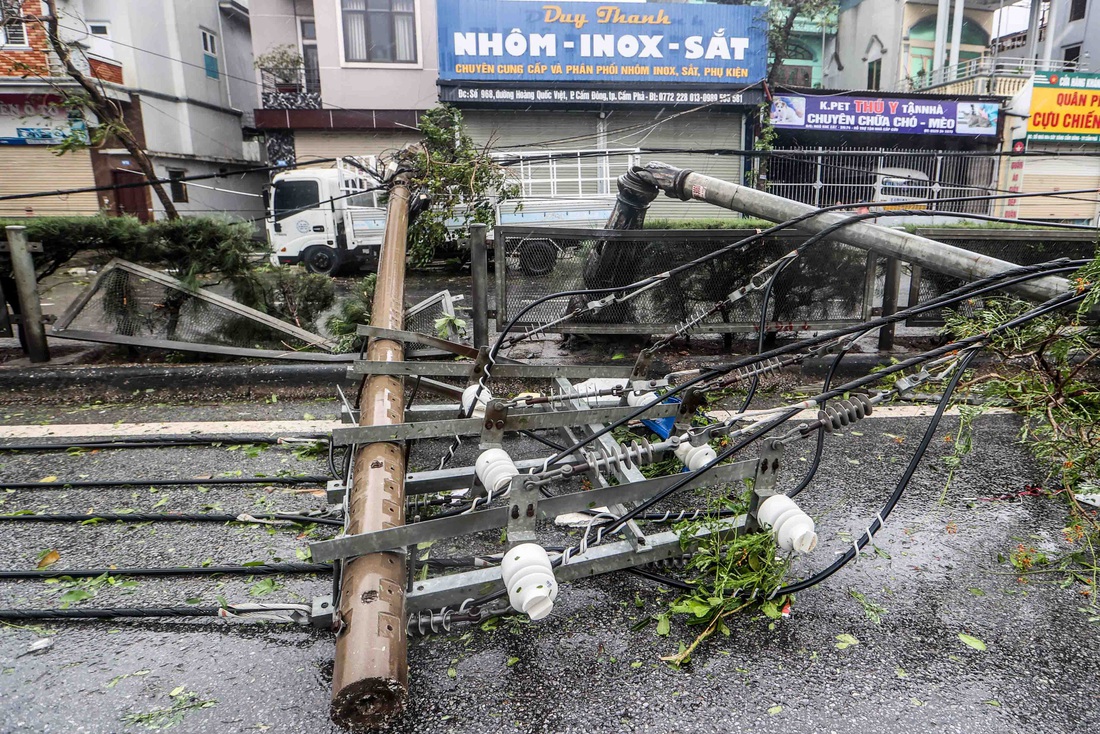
(369, 704)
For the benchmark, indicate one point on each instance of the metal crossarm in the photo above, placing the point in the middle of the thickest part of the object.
(497, 517)
(462, 369)
(531, 421)
(605, 558)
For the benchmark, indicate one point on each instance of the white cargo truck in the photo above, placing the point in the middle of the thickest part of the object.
(331, 220)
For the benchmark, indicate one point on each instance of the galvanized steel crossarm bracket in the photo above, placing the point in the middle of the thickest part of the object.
(497, 517)
(531, 421)
(454, 588)
(462, 369)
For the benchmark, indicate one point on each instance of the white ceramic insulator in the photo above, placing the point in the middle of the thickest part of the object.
(495, 469)
(529, 578)
(482, 400)
(793, 528)
(634, 399)
(695, 457)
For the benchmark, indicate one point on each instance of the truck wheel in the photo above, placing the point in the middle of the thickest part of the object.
(322, 260)
(537, 257)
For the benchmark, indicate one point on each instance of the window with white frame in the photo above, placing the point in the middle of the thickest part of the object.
(310, 58)
(379, 31)
(12, 31)
(99, 38)
(210, 53)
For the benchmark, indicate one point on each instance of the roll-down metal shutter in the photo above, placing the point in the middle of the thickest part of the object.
(26, 169)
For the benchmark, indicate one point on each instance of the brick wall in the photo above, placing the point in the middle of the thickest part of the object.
(33, 61)
(106, 71)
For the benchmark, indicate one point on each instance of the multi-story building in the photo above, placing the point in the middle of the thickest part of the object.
(1075, 42)
(902, 46)
(182, 72)
(527, 76)
(811, 47)
(911, 46)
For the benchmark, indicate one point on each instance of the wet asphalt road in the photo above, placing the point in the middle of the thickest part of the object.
(935, 574)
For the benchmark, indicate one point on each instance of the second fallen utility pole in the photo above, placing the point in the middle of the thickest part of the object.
(26, 290)
(937, 256)
(371, 674)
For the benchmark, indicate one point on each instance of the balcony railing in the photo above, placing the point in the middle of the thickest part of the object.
(986, 75)
(294, 88)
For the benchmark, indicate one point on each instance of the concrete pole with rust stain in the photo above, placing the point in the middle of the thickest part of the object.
(370, 680)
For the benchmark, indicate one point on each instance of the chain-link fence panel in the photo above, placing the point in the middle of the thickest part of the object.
(434, 316)
(828, 285)
(132, 305)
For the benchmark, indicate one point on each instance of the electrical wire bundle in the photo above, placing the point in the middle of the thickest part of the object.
(842, 340)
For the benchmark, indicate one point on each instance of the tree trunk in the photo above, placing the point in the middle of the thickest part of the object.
(105, 108)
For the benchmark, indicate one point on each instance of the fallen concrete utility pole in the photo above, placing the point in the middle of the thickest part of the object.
(370, 678)
(942, 258)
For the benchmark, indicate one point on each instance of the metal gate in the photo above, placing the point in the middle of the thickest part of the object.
(824, 177)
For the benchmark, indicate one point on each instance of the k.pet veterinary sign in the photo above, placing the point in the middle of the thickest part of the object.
(502, 40)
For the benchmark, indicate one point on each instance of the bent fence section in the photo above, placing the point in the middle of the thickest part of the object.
(830, 285)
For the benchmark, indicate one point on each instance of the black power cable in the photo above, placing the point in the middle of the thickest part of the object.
(903, 483)
(966, 291)
(113, 483)
(266, 569)
(132, 517)
(151, 442)
(819, 447)
(818, 237)
(110, 613)
(969, 290)
(967, 343)
(667, 275)
(910, 470)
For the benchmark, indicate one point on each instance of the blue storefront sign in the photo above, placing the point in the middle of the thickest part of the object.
(601, 43)
(871, 114)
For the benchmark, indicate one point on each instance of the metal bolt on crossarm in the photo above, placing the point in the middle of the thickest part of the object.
(370, 678)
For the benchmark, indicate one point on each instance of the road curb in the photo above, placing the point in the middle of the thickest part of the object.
(182, 377)
(225, 377)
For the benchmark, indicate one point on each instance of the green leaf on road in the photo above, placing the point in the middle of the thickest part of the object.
(774, 710)
(845, 641)
(972, 641)
(73, 596)
(263, 587)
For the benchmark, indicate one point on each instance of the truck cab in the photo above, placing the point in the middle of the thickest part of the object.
(331, 219)
(327, 220)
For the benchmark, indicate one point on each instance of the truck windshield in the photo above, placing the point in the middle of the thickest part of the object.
(292, 197)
